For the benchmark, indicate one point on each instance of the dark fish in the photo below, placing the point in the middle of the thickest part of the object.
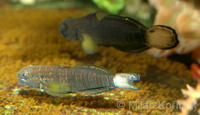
(59, 80)
(123, 33)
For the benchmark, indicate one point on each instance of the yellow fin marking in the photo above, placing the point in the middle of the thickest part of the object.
(101, 15)
(57, 89)
(89, 45)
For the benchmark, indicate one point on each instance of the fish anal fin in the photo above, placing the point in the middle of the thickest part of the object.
(57, 89)
(133, 50)
(88, 44)
(97, 90)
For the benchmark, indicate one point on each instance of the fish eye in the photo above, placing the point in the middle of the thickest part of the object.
(24, 76)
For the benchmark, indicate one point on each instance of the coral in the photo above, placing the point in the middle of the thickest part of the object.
(32, 37)
(188, 104)
(196, 55)
(111, 6)
(195, 71)
(194, 3)
(185, 19)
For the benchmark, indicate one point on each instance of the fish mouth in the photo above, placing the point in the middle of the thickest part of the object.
(63, 30)
(64, 27)
(21, 78)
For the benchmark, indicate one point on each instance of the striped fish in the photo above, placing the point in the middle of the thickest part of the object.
(60, 80)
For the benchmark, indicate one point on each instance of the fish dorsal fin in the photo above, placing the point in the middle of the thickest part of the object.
(100, 15)
(97, 90)
(94, 68)
(126, 20)
(133, 49)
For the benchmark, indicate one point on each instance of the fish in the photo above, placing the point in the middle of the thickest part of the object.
(122, 33)
(61, 80)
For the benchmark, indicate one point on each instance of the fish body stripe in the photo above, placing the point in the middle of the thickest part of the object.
(80, 80)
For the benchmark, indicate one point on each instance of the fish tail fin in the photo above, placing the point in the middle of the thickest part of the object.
(161, 37)
(97, 90)
(124, 80)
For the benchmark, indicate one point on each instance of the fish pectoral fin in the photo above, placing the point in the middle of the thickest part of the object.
(88, 44)
(57, 89)
(97, 90)
(101, 15)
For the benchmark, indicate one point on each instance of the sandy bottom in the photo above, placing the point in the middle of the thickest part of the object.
(32, 37)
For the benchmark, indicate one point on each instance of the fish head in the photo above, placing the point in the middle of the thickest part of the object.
(162, 37)
(69, 29)
(125, 80)
(26, 77)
